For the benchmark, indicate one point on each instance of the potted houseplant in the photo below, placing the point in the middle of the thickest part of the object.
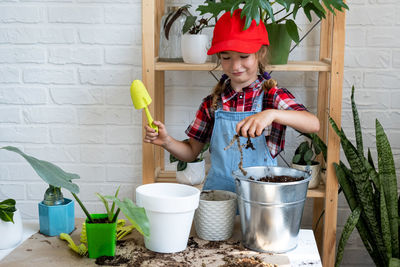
(304, 160)
(191, 173)
(194, 44)
(278, 16)
(56, 213)
(101, 229)
(10, 224)
(371, 192)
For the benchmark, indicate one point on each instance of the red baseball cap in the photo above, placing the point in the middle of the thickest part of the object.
(229, 35)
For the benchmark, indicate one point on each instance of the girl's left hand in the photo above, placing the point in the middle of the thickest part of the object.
(254, 125)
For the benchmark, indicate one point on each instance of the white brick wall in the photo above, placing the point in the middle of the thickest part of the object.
(65, 71)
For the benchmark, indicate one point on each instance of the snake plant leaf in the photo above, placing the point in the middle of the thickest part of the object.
(362, 185)
(347, 230)
(50, 173)
(387, 174)
(136, 215)
(385, 226)
(370, 160)
(346, 182)
(394, 262)
(291, 28)
(357, 125)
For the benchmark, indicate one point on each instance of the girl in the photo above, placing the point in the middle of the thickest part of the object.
(245, 101)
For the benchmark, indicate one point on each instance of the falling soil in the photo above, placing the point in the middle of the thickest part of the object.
(278, 179)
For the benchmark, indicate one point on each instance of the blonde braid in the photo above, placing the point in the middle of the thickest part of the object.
(262, 61)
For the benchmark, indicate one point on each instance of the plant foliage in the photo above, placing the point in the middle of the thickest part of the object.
(50, 173)
(7, 209)
(370, 192)
(307, 151)
(182, 164)
(262, 9)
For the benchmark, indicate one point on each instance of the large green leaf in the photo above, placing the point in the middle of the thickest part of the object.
(215, 8)
(291, 28)
(136, 215)
(49, 172)
(347, 230)
(387, 175)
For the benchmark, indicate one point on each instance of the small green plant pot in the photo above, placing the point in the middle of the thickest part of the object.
(101, 237)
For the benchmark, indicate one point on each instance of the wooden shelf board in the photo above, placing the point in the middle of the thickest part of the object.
(169, 177)
(291, 66)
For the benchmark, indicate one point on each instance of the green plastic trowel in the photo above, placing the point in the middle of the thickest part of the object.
(141, 99)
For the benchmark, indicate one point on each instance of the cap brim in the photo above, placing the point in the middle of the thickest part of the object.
(235, 45)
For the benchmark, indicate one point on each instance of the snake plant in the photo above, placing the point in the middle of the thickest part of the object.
(371, 193)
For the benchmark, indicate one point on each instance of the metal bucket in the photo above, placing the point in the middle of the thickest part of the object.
(270, 213)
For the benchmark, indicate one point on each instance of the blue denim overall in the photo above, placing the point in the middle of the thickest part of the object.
(223, 162)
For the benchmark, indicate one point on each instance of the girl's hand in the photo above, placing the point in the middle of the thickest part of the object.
(159, 138)
(254, 125)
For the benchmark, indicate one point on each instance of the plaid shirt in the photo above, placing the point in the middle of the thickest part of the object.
(276, 98)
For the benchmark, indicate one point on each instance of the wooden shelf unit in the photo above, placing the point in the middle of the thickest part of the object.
(330, 79)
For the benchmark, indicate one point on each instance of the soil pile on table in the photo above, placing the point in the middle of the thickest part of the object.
(131, 252)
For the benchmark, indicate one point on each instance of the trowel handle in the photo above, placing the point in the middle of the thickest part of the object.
(150, 119)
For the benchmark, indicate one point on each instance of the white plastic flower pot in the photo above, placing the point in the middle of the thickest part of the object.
(194, 173)
(315, 170)
(11, 233)
(170, 208)
(194, 48)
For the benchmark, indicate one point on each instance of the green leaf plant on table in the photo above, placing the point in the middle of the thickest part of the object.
(56, 213)
(11, 229)
(371, 193)
(191, 173)
(100, 231)
(279, 17)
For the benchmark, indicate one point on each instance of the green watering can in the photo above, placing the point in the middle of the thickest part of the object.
(141, 99)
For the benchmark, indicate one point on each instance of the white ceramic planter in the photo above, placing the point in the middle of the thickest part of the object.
(11, 233)
(194, 173)
(315, 170)
(194, 48)
(170, 208)
(215, 217)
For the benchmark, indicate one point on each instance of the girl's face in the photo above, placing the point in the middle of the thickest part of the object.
(241, 68)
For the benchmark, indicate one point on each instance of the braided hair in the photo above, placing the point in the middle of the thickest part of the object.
(220, 86)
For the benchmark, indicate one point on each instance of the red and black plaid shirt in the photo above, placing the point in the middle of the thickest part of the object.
(276, 98)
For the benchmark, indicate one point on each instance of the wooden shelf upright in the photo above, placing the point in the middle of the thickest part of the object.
(330, 68)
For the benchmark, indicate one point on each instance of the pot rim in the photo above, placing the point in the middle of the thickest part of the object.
(232, 194)
(238, 175)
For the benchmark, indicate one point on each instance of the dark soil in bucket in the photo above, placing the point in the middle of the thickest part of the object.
(278, 179)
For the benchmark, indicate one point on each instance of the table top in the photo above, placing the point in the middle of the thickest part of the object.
(48, 251)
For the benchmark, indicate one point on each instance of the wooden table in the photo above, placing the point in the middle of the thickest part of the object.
(40, 250)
